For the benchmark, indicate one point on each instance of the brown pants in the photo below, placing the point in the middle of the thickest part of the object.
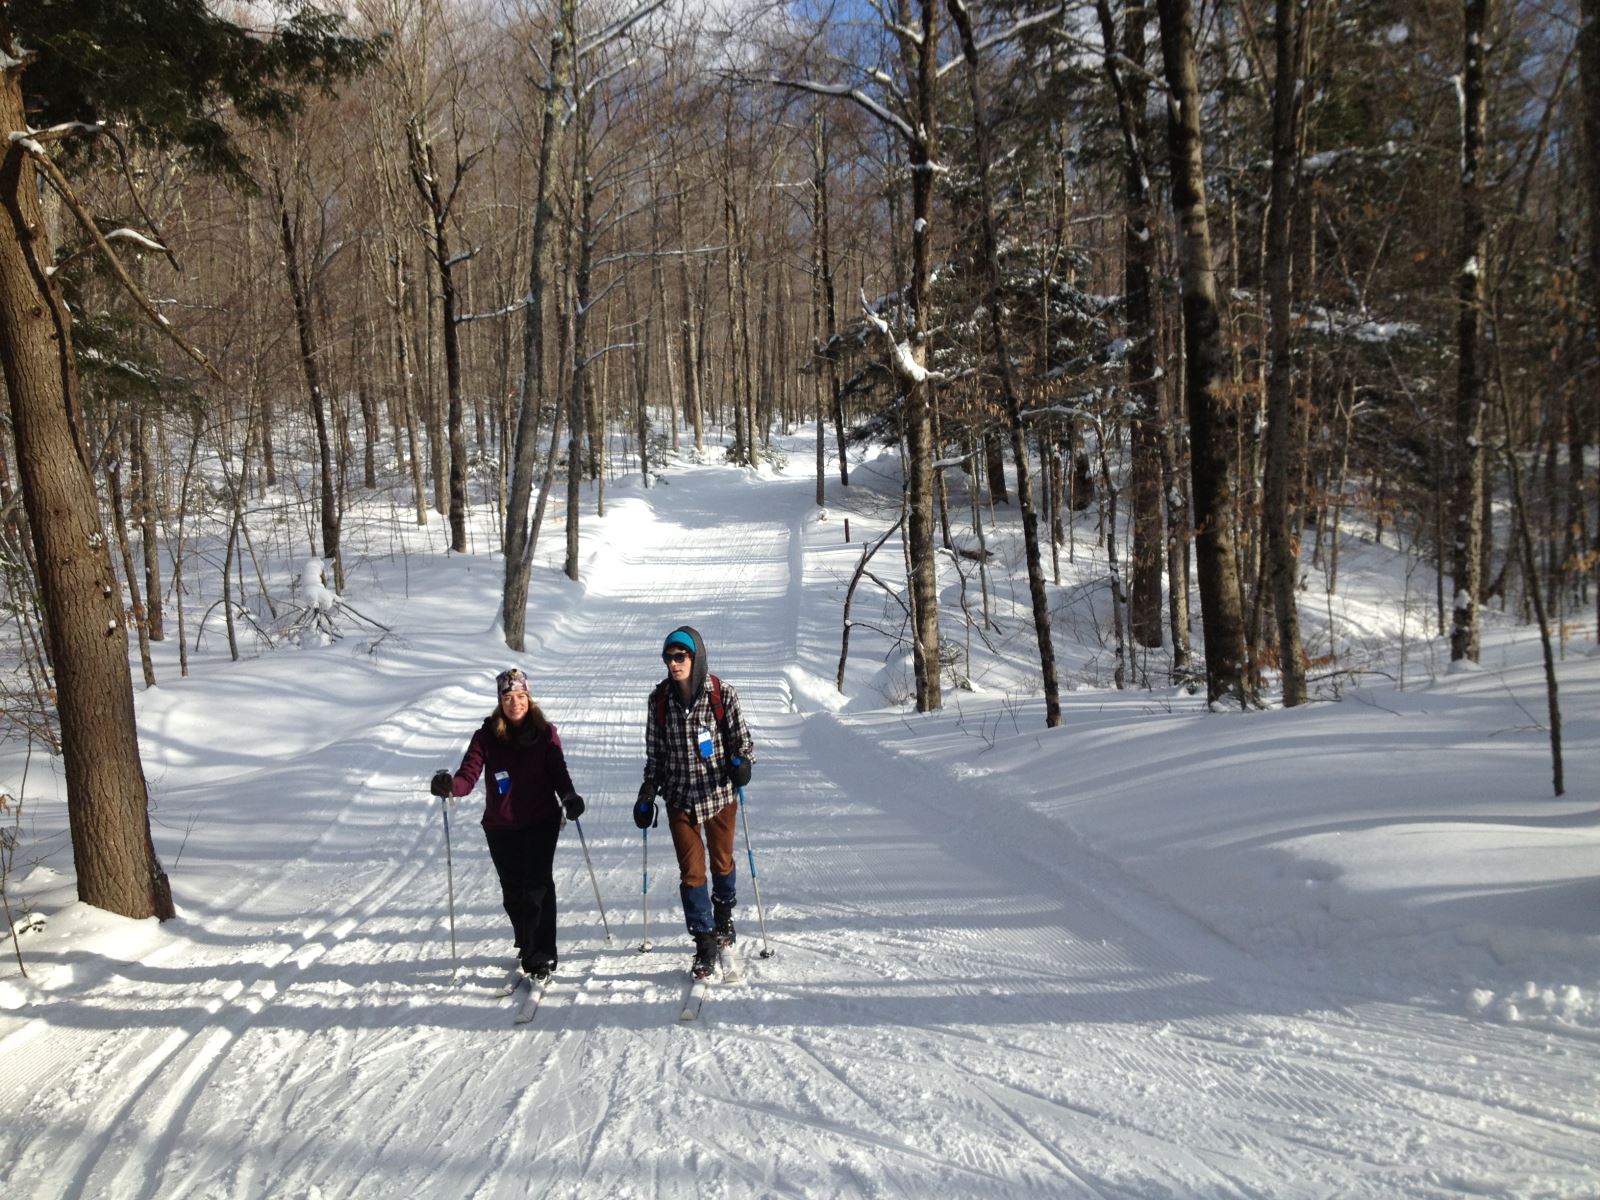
(692, 851)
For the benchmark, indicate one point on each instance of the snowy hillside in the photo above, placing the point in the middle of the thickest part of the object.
(1347, 950)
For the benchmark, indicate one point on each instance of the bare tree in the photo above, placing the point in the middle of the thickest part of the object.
(1126, 72)
(1211, 416)
(1589, 75)
(1472, 247)
(989, 257)
(289, 228)
(565, 52)
(915, 95)
(440, 201)
(1282, 512)
(518, 535)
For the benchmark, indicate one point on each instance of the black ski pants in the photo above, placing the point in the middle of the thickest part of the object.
(525, 861)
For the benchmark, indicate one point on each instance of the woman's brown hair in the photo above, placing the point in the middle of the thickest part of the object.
(534, 728)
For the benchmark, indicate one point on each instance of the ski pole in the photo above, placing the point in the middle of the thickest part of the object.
(644, 892)
(450, 887)
(744, 818)
(582, 842)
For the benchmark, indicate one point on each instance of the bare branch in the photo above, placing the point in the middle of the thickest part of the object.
(617, 28)
(58, 181)
(846, 92)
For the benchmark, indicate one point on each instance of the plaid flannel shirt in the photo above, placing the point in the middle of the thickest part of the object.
(672, 759)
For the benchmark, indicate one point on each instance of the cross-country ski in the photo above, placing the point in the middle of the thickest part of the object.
(511, 981)
(527, 997)
(694, 998)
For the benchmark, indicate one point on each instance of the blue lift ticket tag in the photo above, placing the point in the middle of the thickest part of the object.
(705, 744)
(502, 781)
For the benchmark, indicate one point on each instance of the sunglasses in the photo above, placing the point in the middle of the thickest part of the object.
(676, 656)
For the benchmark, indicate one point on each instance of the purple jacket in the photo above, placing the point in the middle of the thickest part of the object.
(534, 780)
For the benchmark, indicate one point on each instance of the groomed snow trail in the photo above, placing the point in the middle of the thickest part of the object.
(963, 1002)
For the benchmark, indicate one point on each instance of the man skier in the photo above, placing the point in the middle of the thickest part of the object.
(697, 756)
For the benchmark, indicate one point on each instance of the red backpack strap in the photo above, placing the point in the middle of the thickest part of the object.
(658, 701)
(716, 705)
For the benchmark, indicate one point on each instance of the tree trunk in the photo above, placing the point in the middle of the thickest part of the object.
(1281, 514)
(1138, 270)
(822, 350)
(1589, 77)
(409, 400)
(920, 56)
(689, 342)
(583, 206)
(367, 391)
(425, 174)
(107, 798)
(1212, 417)
(518, 535)
(830, 309)
(1467, 544)
(146, 501)
(309, 362)
(119, 522)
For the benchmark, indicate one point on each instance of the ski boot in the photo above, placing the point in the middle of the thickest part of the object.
(725, 932)
(705, 955)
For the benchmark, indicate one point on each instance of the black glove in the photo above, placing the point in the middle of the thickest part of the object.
(644, 808)
(574, 806)
(443, 784)
(738, 771)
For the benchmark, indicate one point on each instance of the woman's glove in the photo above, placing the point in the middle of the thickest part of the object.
(574, 806)
(644, 808)
(443, 784)
(738, 771)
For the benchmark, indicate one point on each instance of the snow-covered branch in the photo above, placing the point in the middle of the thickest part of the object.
(901, 359)
(846, 92)
(134, 236)
(517, 307)
(1019, 26)
(601, 295)
(604, 350)
(619, 27)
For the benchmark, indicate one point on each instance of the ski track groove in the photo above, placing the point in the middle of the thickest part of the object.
(986, 1162)
(237, 1004)
(1074, 1170)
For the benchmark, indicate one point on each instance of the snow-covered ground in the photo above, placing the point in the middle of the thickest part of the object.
(1348, 950)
